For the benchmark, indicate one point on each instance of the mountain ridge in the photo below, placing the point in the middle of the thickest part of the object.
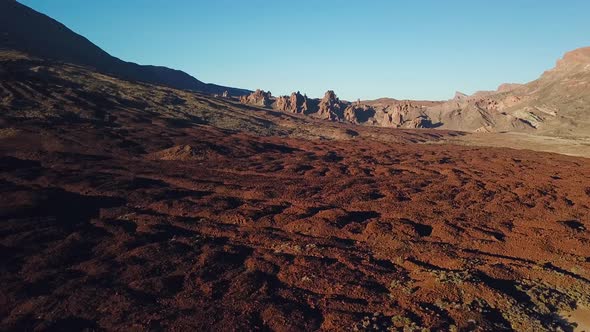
(26, 30)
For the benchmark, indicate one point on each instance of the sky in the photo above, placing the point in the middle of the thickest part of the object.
(405, 49)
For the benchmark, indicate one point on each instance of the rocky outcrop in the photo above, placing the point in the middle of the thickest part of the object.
(330, 107)
(359, 114)
(384, 112)
(422, 121)
(389, 119)
(296, 103)
(283, 104)
(399, 113)
(257, 98)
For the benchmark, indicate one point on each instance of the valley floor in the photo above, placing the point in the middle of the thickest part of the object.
(227, 231)
(579, 146)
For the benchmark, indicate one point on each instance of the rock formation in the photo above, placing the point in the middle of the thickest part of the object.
(359, 114)
(422, 121)
(257, 98)
(26, 30)
(396, 113)
(554, 105)
(330, 107)
(296, 103)
(383, 112)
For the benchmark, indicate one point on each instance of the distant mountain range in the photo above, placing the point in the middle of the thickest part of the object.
(26, 30)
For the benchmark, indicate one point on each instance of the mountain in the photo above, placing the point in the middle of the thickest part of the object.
(23, 29)
(556, 104)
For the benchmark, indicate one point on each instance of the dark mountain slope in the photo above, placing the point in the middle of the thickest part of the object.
(23, 29)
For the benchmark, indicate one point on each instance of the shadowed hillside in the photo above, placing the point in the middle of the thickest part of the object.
(23, 29)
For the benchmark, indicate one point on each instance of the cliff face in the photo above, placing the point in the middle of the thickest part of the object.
(257, 98)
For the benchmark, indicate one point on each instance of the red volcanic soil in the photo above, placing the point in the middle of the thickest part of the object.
(199, 228)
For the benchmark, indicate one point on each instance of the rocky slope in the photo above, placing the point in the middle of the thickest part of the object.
(23, 29)
(556, 104)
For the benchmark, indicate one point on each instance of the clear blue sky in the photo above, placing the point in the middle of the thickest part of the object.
(418, 49)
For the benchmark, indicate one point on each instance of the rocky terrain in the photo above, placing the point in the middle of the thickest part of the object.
(384, 112)
(555, 105)
(130, 206)
(135, 206)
